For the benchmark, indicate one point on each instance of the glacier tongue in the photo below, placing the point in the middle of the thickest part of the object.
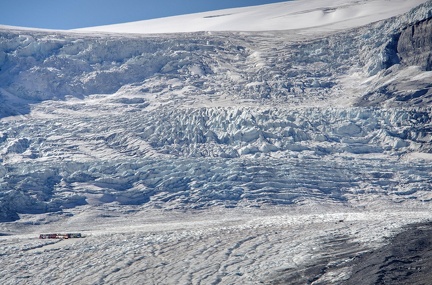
(203, 119)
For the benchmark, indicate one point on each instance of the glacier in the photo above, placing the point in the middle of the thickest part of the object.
(242, 133)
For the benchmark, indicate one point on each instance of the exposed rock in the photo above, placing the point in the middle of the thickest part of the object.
(406, 259)
(403, 78)
(414, 46)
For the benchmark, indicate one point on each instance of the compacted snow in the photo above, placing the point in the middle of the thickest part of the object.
(314, 15)
(264, 149)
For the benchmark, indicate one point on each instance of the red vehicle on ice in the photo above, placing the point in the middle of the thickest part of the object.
(60, 236)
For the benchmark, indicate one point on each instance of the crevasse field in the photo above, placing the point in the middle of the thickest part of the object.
(270, 144)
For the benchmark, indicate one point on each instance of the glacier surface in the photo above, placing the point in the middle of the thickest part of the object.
(140, 132)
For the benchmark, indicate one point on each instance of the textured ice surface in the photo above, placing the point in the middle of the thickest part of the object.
(197, 120)
(201, 157)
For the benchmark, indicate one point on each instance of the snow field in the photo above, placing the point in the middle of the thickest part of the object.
(314, 16)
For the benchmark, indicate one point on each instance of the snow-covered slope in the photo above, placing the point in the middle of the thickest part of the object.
(265, 152)
(304, 15)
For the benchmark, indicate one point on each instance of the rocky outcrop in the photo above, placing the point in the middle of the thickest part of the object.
(406, 259)
(407, 56)
(415, 45)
